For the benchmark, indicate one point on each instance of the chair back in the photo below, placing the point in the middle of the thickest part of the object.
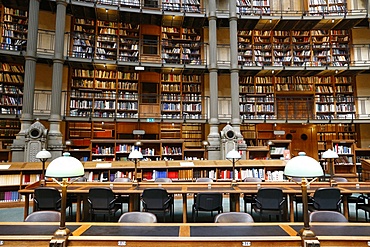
(155, 198)
(209, 201)
(101, 197)
(327, 216)
(81, 179)
(327, 199)
(269, 198)
(234, 217)
(122, 180)
(43, 216)
(340, 179)
(204, 180)
(250, 179)
(163, 180)
(138, 217)
(47, 198)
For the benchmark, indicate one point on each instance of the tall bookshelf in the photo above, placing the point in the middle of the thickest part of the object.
(327, 7)
(128, 42)
(11, 88)
(83, 38)
(192, 97)
(171, 96)
(320, 97)
(254, 7)
(294, 48)
(14, 29)
(257, 97)
(127, 94)
(106, 40)
(181, 45)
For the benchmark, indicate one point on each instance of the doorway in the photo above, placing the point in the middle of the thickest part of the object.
(303, 138)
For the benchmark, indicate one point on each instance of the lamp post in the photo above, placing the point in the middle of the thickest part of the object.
(205, 144)
(135, 155)
(64, 167)
(233, 156)
(330, 155)
(43, 156)
(304, 167)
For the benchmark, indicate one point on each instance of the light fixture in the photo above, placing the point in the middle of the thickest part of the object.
(135, 155)
(304, 167)
(330, 155)
(63, 167)
(43, 156)
(233, 156)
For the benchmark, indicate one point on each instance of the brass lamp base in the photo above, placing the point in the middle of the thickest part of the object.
(333, 183)
(306, 233)
(60, 237)
(234, 183)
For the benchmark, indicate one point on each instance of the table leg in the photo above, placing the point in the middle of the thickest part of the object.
(291, 207)
(78, 209)
(234, 199)
(134, 203)
(26, 205)
(345, 205)
(184, 207)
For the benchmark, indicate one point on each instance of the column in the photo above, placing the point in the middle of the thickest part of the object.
(55, 138)
(214, 136)
(29, 81)
(234, 75)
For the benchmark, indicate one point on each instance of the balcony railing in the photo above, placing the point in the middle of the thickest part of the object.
(303, 111)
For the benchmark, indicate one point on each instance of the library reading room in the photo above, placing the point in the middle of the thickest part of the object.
(185, 123)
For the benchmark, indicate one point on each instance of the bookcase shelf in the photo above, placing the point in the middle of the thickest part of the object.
(14, 29)
(11, 88)
(181, 45)
(345, 165)
(294, 48)
(267, 97)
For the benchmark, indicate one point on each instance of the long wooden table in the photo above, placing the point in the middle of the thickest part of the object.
(234, 192)
(190, 234)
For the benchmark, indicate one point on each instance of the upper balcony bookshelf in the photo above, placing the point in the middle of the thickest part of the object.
(181, 45)
(294, 48)
(325, 97)
(14, 29)
(114, 93)
(253, 7)
(11, 88)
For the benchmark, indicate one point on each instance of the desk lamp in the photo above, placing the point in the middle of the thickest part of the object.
(135, 155)
(43, 156)
(330, 156)
(304, 167)
(233, 156)
(64, 167)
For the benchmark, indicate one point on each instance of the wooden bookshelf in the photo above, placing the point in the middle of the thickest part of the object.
(11, 88)
(14, 29)
(294, 48)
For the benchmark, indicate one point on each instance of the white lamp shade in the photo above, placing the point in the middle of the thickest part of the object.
(303, 166)
(65, 166)
(233, 154)
(43, 154)
(135, 155)
(329, 154)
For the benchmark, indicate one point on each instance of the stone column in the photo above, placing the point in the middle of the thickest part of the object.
(234, 75)
(214, 136)
(29, 81)
(55, 138)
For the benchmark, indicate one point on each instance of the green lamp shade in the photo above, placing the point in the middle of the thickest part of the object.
(303, 166)
(65, 166)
